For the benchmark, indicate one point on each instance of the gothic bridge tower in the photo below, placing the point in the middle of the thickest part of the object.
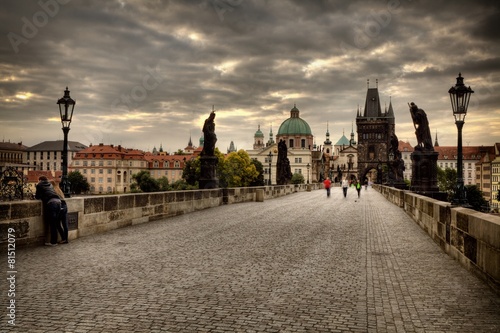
(374, 129)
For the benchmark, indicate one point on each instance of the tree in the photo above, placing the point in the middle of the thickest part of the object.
(145, 182)
(475, 198)
(163, 183)
(191, 171)
(297, 178)
(447, 181)
(238, 170)
(259, 181)
(78, 182)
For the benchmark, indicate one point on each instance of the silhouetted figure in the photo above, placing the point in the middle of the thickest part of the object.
(422, 130)
(284, 173)
(209, 136)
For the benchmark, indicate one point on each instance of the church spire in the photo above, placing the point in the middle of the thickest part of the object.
(436, 143)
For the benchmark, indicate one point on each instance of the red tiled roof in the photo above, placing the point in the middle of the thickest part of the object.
(468, 152)
(109, 152)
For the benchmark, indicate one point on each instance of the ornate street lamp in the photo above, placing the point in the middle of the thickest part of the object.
(460, 96)
(270, 165)
(66, 107)
(308, 166)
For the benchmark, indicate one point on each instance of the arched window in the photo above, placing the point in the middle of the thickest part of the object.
(177, 164)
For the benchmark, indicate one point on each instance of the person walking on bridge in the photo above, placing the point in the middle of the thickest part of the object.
(358, 187)
(327, 184)
(345, 185)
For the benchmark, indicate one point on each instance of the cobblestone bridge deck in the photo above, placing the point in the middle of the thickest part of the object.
(299, 263)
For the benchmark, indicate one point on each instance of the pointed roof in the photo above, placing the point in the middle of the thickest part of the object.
(436, 143)
(372, 104)
(343, 141)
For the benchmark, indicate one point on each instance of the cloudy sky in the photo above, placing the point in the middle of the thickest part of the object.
(145, 73)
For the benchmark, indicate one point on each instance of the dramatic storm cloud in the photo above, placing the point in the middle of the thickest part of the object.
(145, 73)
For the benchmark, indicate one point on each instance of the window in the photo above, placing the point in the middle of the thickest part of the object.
(92, 171)
(92, 163)
(100, 180)
(177, 164)
(303, 143)
(101, 171)
(101, 163)
(109, 180)
(290, 143)
(85, 163)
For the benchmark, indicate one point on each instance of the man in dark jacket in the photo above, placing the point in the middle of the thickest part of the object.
(51, 206)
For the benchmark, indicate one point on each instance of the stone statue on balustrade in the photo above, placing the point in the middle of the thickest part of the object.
(422, 130)
(284, 173)
(208, 160)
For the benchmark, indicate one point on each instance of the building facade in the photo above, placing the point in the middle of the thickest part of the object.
(48, 155)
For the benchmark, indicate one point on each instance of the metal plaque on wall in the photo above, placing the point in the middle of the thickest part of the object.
(73, 221)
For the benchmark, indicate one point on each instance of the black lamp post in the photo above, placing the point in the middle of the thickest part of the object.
(66, 107)
(270, 165)
(460, 96)
(308, 166)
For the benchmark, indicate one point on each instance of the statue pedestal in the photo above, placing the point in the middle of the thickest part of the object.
(208, 175)
(424, 174)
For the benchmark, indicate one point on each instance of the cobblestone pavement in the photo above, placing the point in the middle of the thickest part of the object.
(299, 263)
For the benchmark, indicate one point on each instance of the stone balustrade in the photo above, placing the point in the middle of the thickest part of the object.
(469, 236)
(95, 214)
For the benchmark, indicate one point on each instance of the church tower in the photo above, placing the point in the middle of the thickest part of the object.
(327, 145)
(258, 139)
(374, 129)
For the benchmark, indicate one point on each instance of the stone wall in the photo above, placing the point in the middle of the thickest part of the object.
(96, 214)
(469, 236)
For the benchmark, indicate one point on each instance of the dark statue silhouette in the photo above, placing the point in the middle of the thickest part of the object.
(422, 131)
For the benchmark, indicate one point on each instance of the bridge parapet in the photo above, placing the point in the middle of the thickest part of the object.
(95, 214)
(469, 236)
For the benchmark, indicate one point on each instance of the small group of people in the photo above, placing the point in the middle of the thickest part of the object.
(345, 185)
(55, 210)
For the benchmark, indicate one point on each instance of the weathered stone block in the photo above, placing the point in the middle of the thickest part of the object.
(25, 209)
(21, 228)
(126, 201)
(93, 205)
(4, 211)
(141, 200)
(110, 203)
(156, 198)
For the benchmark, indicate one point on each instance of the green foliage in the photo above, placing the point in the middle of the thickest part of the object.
(191, 171)
(181, 185)
(297, 178)
(475, 197)
(163, 183)
(447, 181)
(78, 182)
(259, 181)
(238, 170)
(145, 182)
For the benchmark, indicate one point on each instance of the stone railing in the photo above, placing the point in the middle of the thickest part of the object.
(94, 214)
(469, 236)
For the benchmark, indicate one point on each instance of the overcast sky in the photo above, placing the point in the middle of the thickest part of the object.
(145, 73)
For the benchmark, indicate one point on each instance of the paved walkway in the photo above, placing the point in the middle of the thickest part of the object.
(300, 263)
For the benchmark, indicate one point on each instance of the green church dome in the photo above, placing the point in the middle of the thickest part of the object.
(259, 133)
(294, 125)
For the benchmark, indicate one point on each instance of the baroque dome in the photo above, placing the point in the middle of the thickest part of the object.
(294, 125)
